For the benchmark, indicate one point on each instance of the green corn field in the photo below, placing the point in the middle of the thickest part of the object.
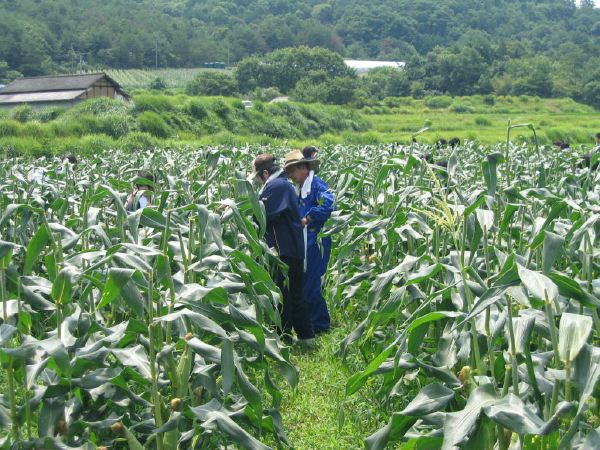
(469, 289)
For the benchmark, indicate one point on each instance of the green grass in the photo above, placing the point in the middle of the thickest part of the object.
(311, 413)
(564, 119)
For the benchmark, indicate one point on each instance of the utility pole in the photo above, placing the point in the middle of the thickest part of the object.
(156, 52)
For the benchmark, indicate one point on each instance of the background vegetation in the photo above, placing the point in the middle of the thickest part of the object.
(159, 120)
(546, 48)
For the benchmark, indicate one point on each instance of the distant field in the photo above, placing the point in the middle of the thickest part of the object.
(141, 79)
(471, 118)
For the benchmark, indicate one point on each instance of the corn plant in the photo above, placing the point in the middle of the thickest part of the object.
(474, 291)
(155, 329)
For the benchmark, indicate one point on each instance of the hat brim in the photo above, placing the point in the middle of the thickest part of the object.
(313, 164)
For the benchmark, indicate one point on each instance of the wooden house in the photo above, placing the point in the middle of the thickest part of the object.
(60, 90)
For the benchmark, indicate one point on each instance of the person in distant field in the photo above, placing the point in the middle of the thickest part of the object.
(562, 145)
(310, 152)
(316, 205)
(586, 160)
(440, 143)
(68, 164)
(141, 196)
(284, 234)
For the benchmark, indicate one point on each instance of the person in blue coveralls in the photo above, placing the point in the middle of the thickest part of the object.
(316, 205)
(284, 233)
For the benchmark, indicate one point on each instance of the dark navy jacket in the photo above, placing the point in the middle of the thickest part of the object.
(284, 229)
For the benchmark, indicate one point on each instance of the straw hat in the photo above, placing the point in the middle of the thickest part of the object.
(296, 157)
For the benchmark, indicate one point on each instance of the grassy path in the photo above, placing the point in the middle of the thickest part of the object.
(311, 413)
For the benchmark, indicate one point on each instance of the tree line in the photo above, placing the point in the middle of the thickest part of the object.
(458, 47)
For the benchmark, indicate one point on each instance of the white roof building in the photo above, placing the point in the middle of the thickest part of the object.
(362, 66)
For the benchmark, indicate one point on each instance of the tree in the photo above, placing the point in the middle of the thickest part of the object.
(386, 82)
(212, 83)
(319, 89)
(455, 71)
(284, 68)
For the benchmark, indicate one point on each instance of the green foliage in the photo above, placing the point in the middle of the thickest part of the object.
(212, 84)
(482, 121)
(138, 140)
(196, 108)
(158, 84)
(544, 48)
(438, 102)
(154, 103)
(284, 68)
(22, 113)
(99, 106)
(264, 94)
(386, 82)
(152, 123)
(17, 146)
(49, 113)
(191, 119)
(8, 128)
(489, 100)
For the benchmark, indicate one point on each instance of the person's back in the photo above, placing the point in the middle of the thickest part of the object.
(284, 230)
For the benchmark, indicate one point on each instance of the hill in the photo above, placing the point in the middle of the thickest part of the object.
(548, 48)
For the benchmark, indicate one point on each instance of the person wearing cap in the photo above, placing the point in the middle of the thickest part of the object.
(141, 196)
(310, 152)
(284, 233)
(316, 205)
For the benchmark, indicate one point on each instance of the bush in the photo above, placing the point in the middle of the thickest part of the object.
(438, 102)
(482, 122)
(489, 100)
(461, 108)
(158, 83)
(155, 103)
(116, 126)
(220, 108)
(196, 108)
(264, 94)
(417, 89)
(99, 106)
(137, 141)
(152, 123)
(94, 143)
(22, 113)
(48, 114)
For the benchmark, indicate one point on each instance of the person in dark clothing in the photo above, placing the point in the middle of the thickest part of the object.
(285, 234)
(441, 143)
(586, 160)
(310, 152)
